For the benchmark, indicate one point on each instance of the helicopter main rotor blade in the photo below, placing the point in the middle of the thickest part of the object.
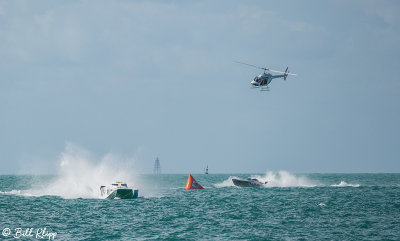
(280, 72)
(266, 69)
(251, 65)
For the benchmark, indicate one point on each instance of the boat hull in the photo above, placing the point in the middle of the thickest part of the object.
(127, 193)
(245, 183)
(123, 194)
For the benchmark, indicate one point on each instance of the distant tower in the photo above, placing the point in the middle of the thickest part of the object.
(157, 167)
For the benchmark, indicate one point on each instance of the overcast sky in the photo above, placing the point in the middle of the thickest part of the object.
(147, 79)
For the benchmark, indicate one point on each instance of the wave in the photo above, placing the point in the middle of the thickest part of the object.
(345, 184)
(275, 179)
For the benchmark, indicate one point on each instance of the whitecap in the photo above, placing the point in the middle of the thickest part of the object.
(345, 184)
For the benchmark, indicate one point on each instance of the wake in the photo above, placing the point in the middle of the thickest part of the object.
(285, 179)
(80, 175)
(275, 179)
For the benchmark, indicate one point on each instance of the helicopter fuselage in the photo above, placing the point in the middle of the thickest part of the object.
(263, 79)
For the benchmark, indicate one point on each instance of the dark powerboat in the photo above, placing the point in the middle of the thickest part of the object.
(249, 182)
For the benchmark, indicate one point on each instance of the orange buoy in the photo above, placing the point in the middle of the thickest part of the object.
(192, 184)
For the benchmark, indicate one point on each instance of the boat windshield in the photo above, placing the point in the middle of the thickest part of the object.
(115, 184)
(124, 185)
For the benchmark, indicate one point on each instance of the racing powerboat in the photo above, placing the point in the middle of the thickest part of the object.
(119, 190)
(249, 182)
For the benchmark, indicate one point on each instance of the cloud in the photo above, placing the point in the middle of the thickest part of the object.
(388, 11)
(41, 35)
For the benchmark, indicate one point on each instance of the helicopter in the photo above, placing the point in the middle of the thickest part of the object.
(265, 79)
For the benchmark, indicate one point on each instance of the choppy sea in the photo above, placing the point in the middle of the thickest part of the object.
(289, 207)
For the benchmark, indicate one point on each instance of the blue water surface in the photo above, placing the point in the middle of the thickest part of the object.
(327, 207)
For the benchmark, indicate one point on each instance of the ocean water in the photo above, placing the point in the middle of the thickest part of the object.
(289, 207)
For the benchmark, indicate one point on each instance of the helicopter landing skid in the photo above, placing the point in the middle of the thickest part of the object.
(265, 89)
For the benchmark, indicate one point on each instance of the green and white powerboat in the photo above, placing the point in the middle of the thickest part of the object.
(118, 190)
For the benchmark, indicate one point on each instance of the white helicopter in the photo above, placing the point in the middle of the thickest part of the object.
(266, 78)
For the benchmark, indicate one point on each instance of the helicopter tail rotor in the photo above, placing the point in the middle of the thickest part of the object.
(286, 73)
